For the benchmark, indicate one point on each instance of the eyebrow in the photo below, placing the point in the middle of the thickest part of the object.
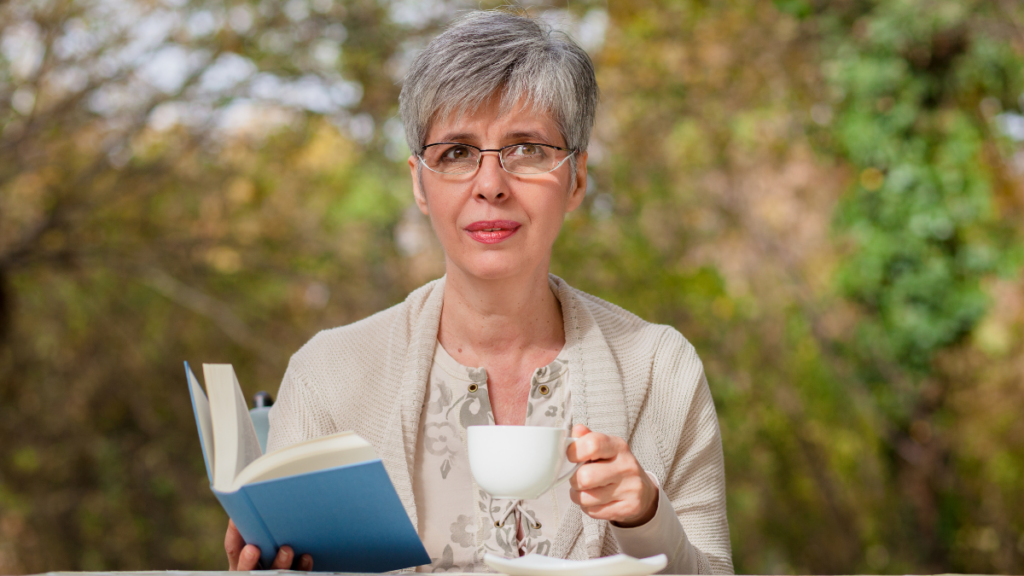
(528, 134)
(455, 137)
(469, 137)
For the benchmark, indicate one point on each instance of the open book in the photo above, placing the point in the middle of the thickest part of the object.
(329, 497)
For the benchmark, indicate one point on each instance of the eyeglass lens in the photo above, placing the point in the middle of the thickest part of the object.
(517, 159)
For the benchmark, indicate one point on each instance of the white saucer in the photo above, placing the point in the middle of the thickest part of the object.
(537, 565)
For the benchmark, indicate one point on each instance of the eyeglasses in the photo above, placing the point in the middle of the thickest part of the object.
(523, 158)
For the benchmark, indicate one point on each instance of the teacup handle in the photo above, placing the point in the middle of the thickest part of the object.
(566, 476)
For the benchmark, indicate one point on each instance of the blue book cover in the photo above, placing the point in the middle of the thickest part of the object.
(348, 518)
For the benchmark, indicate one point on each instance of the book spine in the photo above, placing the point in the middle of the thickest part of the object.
(249, 522)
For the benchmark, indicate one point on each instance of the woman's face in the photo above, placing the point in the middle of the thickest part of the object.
(495, 225)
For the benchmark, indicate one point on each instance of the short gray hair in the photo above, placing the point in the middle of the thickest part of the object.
(488, 52)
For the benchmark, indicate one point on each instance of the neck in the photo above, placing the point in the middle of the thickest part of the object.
(482, 319)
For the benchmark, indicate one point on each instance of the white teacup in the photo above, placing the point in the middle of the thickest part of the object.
(519, 462)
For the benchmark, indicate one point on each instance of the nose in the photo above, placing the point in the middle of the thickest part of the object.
(491, 182)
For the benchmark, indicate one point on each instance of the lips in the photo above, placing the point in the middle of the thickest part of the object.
(492, 231)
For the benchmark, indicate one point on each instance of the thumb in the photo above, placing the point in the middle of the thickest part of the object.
(572, 452)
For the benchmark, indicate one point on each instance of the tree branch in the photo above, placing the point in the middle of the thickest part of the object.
(215, 310)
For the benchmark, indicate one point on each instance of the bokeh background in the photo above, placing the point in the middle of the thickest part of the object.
(825, 197)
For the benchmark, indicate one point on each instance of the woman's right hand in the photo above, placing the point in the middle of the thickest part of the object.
(244, 557)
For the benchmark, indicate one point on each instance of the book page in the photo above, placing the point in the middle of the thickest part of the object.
(248, 441)
(234, 438)
(201, 409)
(308, 456)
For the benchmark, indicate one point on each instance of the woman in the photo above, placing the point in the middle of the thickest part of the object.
(499, 111)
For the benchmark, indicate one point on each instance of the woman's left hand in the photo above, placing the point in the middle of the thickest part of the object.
(611, 485)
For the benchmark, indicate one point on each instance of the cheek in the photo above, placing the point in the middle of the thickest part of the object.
(549, 216)
(443, 212)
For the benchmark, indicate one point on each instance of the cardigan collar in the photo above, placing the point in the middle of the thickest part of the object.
(598, 402)
(597, 390)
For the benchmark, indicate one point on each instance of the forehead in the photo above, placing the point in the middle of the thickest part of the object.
(488, 124)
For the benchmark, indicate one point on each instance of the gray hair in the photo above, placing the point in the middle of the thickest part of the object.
(488, 52)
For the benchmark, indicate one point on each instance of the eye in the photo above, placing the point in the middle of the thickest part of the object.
(527, 151)
(457, 153)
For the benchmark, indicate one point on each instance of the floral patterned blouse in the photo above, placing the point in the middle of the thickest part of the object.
(459, 522)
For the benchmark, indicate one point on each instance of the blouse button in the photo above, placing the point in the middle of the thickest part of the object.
(473, 387)
(544, 389)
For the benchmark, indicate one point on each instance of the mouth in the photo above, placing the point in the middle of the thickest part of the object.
(492, 231)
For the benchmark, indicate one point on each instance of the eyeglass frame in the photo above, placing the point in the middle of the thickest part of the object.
(501, 161)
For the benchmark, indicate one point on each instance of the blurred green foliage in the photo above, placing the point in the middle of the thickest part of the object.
(921, 213)
(825, 197)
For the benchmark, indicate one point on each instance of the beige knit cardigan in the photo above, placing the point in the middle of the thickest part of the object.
(630, 378)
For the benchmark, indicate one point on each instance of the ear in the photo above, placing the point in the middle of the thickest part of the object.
(579, 186)
(417, 190)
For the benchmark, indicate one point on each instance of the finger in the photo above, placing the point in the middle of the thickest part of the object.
(627, 503)
(595, 446)
(233, 544)
(631, 489)
(283, 560)
(594, 475)
(249, 558)
(579, 430)
(306, 563)
(597, 496)
(609, 511)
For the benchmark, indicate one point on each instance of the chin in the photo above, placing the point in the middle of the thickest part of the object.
(487, 267)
